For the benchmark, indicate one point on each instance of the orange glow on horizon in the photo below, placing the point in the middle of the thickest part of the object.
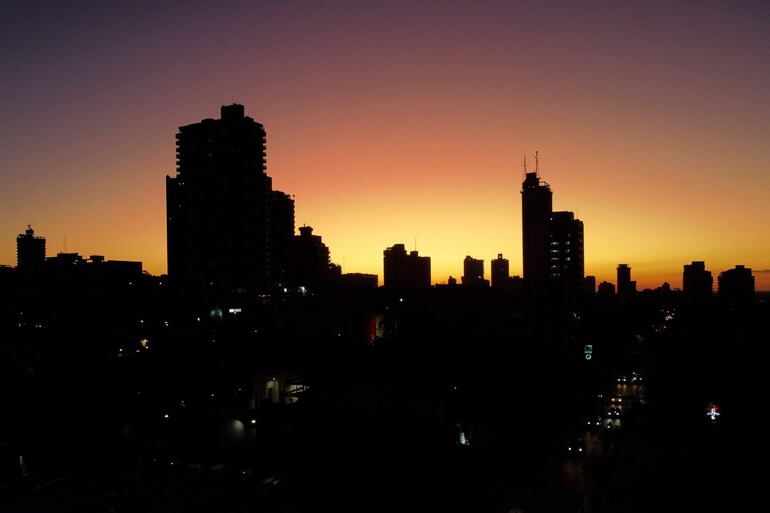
(455, 194)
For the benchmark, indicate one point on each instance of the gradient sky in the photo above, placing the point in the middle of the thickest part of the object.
(400, 121)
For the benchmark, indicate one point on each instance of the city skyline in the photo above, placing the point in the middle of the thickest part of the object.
(371, 256)
(660, 155)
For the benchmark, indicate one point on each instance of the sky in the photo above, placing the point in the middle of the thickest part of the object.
(402, 122)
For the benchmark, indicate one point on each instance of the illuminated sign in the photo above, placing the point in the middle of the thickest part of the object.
(588, 351)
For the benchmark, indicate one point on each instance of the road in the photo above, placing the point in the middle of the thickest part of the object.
(579, 483)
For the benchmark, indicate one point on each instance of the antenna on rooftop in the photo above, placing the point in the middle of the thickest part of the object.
(537, 163)
(525, 162)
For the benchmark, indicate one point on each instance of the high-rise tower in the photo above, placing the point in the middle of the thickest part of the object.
(405, 271)
(565, 237)
(736, 286)
(311, 260)
(500, 272)
(697, 282)
(552, 241)
(473, 272)
(216, 205)
(280, 236)
(626, 287)
(30, 251)
(536, 210)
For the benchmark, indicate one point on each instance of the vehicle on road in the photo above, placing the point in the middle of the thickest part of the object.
(575, 447)
(593, 422)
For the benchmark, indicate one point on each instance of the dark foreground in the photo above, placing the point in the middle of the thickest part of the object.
(444, 401)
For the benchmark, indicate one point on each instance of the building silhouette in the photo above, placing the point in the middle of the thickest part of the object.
(94, 272)
(605, 290)
(536, 210)
(500, 272)
(736, 286)
(404, 271)
(589, 285)
(30, 251)
(473, 273)
(394, 267)
(565, 240)
(697, 282)
(552, 242)
(219, 207)
(626, 287)
(312, 267)
(280, 237)
(357, 281)
(516, 284)
(418, 270)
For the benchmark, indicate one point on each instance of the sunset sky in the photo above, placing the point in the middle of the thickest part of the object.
(400, 121)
